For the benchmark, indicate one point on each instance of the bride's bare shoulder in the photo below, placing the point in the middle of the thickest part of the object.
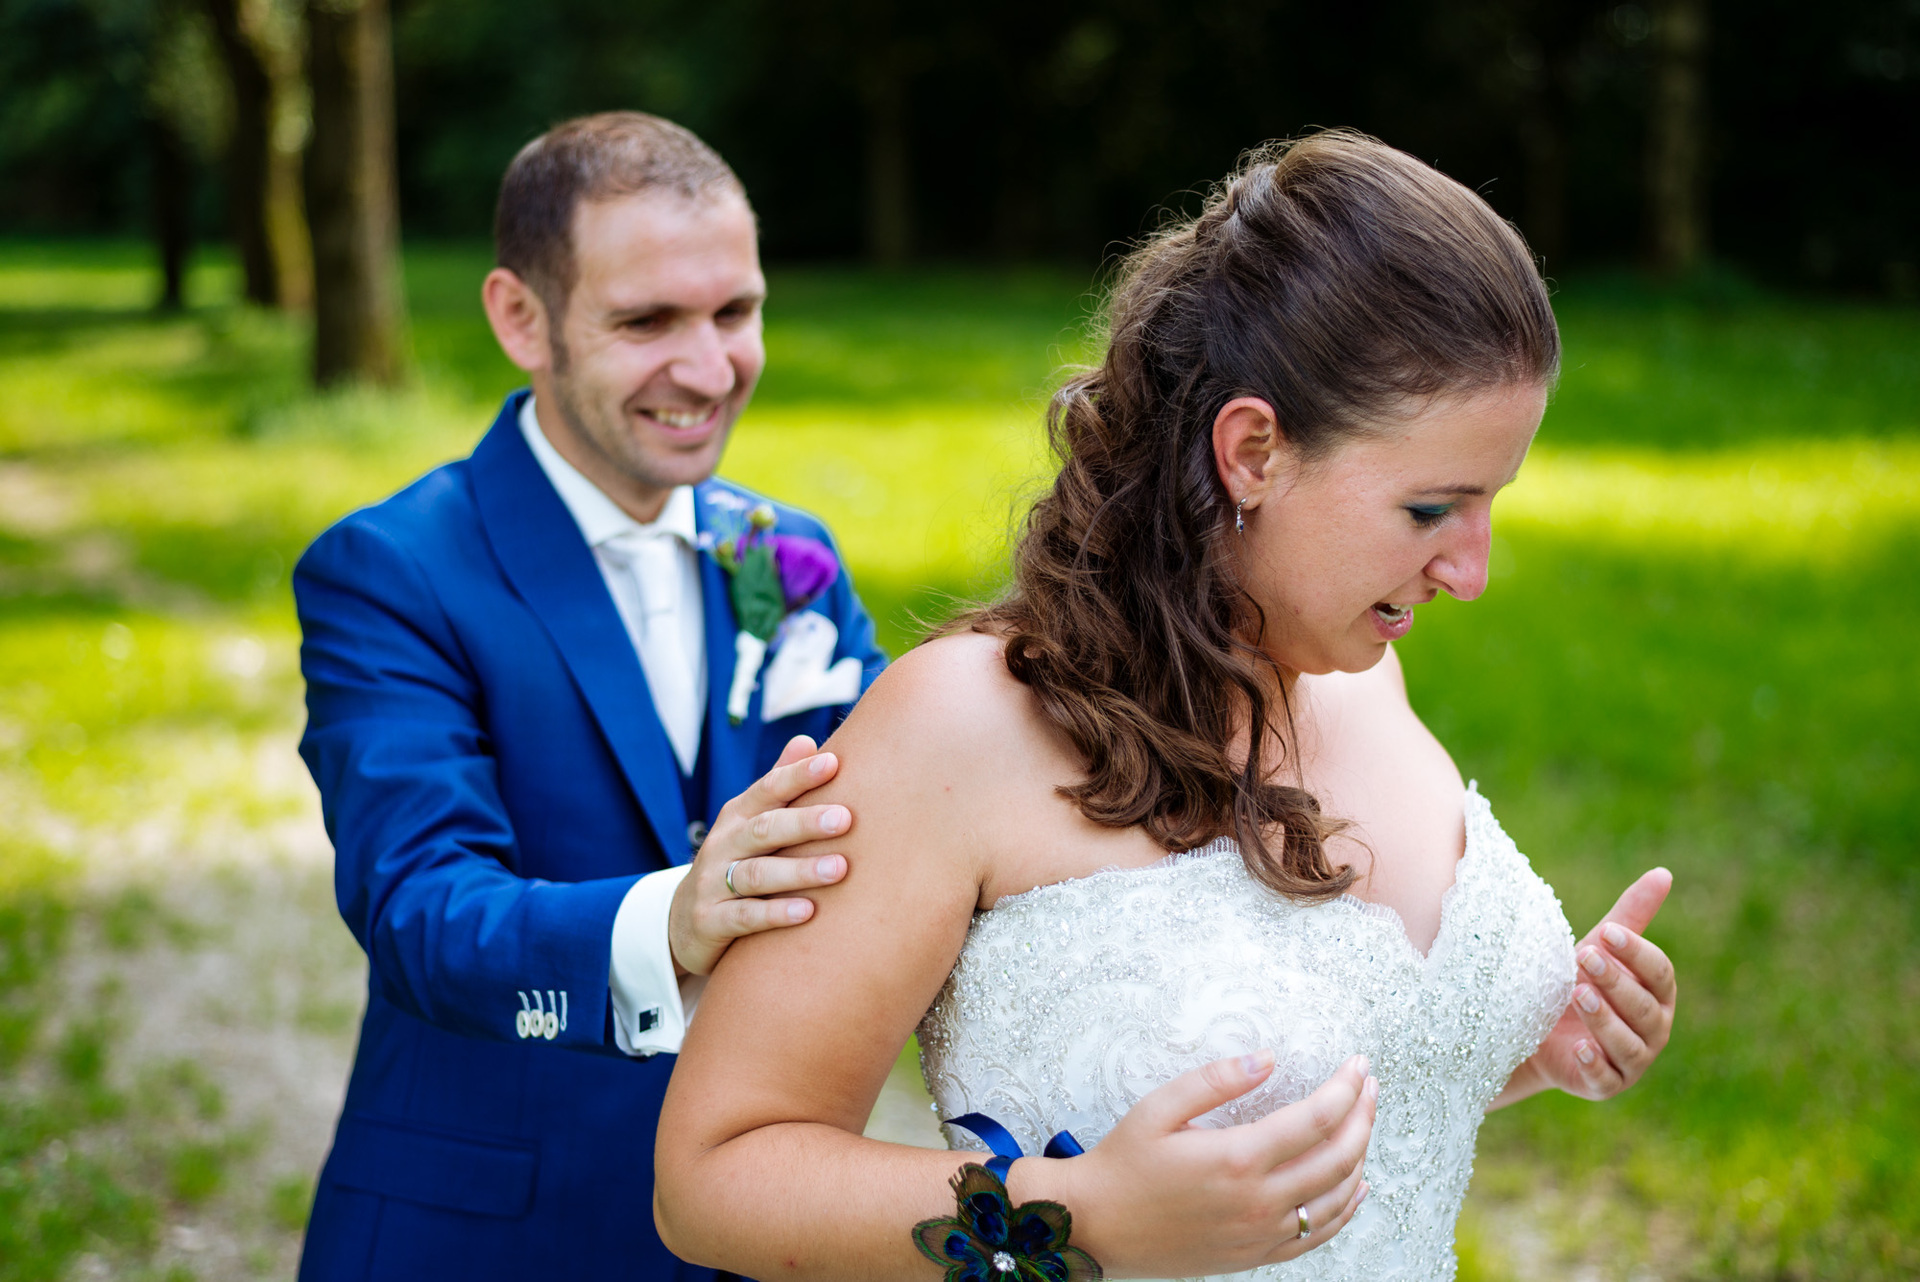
(948, 745)
(954, 690)
(927, 767)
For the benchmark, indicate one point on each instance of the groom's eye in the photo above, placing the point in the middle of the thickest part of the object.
(649, 323)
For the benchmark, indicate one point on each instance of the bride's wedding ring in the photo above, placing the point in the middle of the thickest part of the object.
(1306, 1225)
(731, 888)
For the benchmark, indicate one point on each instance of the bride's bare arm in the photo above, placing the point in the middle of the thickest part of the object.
(761, 1167)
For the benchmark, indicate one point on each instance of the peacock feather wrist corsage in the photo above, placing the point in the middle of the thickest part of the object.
(989, 1239)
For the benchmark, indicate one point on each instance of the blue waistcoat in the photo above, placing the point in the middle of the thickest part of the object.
(494, 779)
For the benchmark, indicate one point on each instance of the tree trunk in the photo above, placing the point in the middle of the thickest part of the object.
(889, 173)
(172, 211)
(287, 228)
(1676, 136)
(352, 201)
(249, 153)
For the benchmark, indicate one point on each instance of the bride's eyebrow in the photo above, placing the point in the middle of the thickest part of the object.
(1451, 491)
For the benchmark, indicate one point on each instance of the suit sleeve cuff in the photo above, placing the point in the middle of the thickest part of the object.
(649, 1013)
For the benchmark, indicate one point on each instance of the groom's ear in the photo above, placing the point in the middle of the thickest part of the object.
(519, 318)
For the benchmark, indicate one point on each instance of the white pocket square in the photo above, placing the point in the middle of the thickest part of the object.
(801, 675)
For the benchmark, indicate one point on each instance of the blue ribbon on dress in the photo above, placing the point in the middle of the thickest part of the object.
(1005, 1147)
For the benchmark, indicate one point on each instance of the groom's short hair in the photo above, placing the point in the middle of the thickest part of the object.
(599, 157)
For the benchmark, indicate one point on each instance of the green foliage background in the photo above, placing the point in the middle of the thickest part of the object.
(1696, 650)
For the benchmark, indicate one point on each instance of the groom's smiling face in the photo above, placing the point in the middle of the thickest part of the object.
(658, 347)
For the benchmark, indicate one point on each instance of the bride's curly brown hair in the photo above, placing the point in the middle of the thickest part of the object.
(1345, 283)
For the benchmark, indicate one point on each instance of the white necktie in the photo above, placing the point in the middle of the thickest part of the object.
(652, 560)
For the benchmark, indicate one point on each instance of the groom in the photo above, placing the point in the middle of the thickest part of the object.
(519, 676)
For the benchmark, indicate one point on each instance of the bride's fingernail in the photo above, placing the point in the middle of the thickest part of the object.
(1614, 935)
(1255, 1063)
(1584, 1053)
(834, 819)
(1588, 999)
(1595, 964)
(1373, 1088)
(1364, 1190)
(1362, 1063)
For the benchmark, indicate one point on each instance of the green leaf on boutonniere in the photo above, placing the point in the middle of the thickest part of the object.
(758, 601)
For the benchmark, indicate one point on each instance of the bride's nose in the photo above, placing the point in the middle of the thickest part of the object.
(1460, 566)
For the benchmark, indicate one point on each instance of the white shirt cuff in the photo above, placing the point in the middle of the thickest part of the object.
(651, 1005)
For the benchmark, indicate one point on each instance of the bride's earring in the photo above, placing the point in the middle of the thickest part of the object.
(1239, 517)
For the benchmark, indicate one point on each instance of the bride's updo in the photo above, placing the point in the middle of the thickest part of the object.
(1345, 283)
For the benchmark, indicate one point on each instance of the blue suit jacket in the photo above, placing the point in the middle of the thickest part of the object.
(494, 780)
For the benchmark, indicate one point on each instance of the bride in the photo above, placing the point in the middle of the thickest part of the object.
(1154, 846)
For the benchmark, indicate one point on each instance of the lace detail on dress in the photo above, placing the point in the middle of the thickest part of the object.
(1071, 1001)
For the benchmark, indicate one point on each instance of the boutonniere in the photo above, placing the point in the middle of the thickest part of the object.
(770, 577)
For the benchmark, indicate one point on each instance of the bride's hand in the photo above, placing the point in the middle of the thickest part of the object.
(1621, 1014)
(1160, 1197)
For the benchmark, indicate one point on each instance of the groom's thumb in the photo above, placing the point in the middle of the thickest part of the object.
(1201, 1090)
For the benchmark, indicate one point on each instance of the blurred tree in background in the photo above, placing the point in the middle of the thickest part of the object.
(1777, 134)
(352, 196)
(261, 45)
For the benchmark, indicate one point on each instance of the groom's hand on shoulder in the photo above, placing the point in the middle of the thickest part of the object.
(747, 841)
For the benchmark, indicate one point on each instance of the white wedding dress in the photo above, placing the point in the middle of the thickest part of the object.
(1073, 1000)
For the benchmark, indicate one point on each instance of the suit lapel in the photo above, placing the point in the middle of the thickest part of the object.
(729, 747)
(550, 566)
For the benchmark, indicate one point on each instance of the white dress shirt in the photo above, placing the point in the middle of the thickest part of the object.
(652, 571)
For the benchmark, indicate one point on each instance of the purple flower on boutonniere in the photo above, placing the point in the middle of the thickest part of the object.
(770, 576)
(808, 568)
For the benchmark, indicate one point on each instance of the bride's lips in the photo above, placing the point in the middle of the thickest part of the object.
(1391, 622)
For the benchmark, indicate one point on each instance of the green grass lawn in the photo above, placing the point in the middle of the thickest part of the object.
(1696, 650)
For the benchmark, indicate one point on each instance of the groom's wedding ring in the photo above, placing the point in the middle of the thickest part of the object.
(1306, 1225)
(731, 888)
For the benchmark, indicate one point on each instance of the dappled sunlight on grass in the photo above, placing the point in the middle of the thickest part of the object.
(1693, 651)
(926, 492)
(1797, 502)
(125, 743)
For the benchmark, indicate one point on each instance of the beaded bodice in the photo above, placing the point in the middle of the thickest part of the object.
(1071, 1001)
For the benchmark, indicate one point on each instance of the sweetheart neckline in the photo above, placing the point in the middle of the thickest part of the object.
(1353, 903)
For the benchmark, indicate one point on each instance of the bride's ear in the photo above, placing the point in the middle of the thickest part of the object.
(1249, 451)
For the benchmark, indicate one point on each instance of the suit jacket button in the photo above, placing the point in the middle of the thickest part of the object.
(550, 1026)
